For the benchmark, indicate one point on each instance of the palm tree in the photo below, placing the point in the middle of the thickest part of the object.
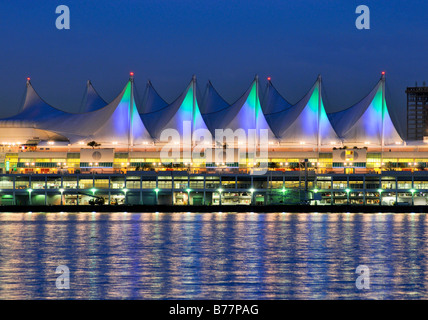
(93, 144)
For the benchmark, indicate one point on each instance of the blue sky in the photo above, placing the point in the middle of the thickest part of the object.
(227, 42)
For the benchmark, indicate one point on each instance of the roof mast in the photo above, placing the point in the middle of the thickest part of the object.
(319, 113)
(131, 110)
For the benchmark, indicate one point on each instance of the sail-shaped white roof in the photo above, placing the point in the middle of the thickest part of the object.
(117, 122)
(91, 100)
(152, 101)
(246, 113)
(368, 121)
(184, 109)
(305, 122)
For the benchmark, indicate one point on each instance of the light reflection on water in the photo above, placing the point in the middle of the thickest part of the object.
(213, 255)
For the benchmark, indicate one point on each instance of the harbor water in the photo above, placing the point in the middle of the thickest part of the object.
(215, 255)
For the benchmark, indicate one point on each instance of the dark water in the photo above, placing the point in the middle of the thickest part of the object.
(213, 256)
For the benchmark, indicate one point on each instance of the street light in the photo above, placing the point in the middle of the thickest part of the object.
(29, 195)
(380, 196)
(62, 191)
(220, 190)
(125, 191)
(413, 196)
(283, 194)
(188, 195)
(157, 190)
(347, 195)
(252, 195)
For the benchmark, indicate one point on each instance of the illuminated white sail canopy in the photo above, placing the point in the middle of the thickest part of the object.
(368, 121)
(306, 122)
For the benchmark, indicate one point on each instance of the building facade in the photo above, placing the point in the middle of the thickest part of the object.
(417, 113)
(180, 188)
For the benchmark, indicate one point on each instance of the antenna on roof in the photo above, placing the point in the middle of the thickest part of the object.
(28, 81)
(194, 77)
(131, 75)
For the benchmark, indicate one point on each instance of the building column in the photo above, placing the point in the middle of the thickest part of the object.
(141, 190)
(157, 193)
(252, 193)
(364, 190)
(203, 200)
(13, 193)
(396, 190)
(46, 190)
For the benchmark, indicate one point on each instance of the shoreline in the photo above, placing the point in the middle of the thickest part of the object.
(222, 208)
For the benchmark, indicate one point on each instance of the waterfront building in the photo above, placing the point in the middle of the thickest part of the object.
(417, 113)
(46, 150)
(181, 188)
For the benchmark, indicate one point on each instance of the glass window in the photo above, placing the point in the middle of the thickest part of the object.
(133, 182)
(101, 183)
(181, 182)
(165, 182)
(6, 182)
(38, 182)
(196, 182)
(117, 182)
(244, 183)
(69, 182)
(228, 182)
(54, 182)
(149, 183)
(85, 183)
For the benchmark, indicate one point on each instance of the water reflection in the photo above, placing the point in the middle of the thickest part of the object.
(213, 255)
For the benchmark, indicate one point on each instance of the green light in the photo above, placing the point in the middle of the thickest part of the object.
(348, 190)
(156, 190)
(188, 190)
(29, 190)
(316, 190)
(379, 190)
(93, 190)
(220, 190)
(252, 190)
(412, 190)
(125, 190)
(61, 190)
(284, 190)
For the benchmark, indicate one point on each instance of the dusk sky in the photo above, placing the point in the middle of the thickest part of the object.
(224, 41)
